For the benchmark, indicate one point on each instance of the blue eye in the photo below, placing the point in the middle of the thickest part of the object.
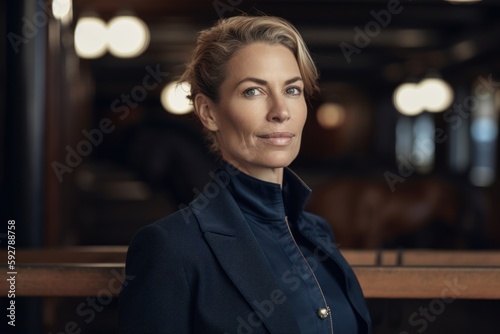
(294, 91)
(251, 92)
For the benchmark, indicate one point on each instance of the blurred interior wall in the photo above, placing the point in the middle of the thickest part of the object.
(26, 24)
(25, 114)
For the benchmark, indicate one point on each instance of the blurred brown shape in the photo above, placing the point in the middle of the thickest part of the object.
(366, 214)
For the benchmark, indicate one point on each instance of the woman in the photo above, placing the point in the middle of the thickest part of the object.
(244, 257)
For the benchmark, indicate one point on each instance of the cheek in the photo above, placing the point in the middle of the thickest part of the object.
(301, 113)
(242, 118)
(236, 122)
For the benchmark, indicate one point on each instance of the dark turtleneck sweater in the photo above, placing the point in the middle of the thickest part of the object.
(274, 215)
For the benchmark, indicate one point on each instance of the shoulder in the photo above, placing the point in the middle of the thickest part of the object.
(172, 247)
(160, 252)
(168, 231)
(174, 239)
(181, 220)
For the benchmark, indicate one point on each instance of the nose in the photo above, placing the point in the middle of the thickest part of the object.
(278, 111)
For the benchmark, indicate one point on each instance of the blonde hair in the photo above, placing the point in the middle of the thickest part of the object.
(207, 69)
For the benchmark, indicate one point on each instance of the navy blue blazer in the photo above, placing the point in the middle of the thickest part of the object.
(201, 270)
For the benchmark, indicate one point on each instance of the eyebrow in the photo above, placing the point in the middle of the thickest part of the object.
(264, 82)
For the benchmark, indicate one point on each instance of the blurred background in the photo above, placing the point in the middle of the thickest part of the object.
(400, 149)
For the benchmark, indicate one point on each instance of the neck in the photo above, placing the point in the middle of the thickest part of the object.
(268, 174)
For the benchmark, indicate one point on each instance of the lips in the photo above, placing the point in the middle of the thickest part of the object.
(277, 138)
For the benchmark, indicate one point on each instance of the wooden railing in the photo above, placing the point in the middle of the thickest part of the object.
(90, 271)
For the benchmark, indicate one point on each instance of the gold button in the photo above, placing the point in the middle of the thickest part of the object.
(323, 312)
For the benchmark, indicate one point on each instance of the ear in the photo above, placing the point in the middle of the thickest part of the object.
(205, 110)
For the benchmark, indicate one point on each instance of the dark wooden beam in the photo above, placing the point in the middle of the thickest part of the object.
(99, 271)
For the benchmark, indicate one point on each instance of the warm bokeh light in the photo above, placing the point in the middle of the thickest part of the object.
(330, 115)
(174, 100)
(464, 50)
(128, 36)
(431, 94)
(61, 8)
(437, 95)
(90, 37)
(407, 99)
(462, 1)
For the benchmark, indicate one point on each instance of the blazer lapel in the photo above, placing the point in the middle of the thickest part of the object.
(239, 254)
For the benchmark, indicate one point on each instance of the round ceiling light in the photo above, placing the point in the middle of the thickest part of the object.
(174, 98)
(128, 36)
(407, 99)
(90, 37)
(437, 94)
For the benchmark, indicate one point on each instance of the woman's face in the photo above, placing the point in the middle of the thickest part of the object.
(262, 110)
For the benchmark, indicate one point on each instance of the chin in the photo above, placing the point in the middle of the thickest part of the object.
(279, 159)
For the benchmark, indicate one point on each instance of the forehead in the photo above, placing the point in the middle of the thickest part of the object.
(263, 60)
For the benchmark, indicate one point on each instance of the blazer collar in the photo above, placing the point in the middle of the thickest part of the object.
(238, 252)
